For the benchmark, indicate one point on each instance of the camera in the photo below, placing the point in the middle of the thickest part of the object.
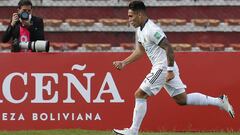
(35, 46)
(24, 15)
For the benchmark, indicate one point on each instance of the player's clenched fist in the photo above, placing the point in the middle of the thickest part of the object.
(119, 64)
(170, 76)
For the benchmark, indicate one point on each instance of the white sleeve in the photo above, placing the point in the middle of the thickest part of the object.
(137, 36)
(156, 35)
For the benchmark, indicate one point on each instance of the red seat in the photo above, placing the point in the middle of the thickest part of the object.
(57, 45)
(235, 46)
(181, 46)
(91, 46)
(186, 47)
(80, 22)
(176, 46)
(204, 46)
(180, 21)
(172, 21)
(113, 21)
(232, 21)
(165, 21)
(211, 46)
(5, 46)
(213, 22)
(205, 22)
(52, 22)
(105, 47)
(127, 46)
(5, 21)
(72, 46)
(218, 47)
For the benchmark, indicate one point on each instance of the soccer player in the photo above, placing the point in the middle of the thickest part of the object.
(164, 73)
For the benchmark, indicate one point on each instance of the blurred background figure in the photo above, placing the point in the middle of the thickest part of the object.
(24, 27)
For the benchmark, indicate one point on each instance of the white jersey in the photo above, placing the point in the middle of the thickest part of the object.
(149, 37)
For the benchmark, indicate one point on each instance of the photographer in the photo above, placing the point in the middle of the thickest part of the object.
(24, 27)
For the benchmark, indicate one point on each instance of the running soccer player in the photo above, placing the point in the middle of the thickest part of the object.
(164, 73)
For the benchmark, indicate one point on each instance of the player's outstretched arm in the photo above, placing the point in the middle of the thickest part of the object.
(137, 53)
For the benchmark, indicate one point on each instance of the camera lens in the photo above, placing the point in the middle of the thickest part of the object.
(24, 15)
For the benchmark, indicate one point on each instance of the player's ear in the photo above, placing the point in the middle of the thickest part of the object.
(141, 13)
(137, 13)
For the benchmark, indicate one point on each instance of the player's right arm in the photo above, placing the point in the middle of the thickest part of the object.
(137, 53)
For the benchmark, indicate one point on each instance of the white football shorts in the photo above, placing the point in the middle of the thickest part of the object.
(156, 79)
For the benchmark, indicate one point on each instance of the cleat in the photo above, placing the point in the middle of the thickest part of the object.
(125, 131)
(226, 105)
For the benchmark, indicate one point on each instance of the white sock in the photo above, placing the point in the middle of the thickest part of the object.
(201, 99)
(138, 113)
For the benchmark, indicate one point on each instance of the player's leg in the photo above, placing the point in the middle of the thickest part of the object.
(139, 112)
(201, 99)
(149, 87)
(140, 109)
(176, 89)
(196, 99)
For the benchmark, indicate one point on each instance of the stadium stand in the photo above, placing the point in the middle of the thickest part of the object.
(102, 25)
(235, 46)
(120, 3)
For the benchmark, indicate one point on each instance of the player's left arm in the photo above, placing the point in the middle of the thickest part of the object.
(164, 43)
(157, 36)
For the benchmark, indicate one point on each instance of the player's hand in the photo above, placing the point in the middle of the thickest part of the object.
(15, 18)
(119, 65)
(170, 76)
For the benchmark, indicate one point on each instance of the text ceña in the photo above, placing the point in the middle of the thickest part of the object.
(71, 80)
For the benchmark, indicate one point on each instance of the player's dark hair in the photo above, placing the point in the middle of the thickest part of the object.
(137, 5)
(24, 3)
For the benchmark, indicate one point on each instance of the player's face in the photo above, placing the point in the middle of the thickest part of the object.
(133, 18)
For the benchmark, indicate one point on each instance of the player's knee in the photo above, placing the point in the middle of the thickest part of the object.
(181, 99)
(181, 102)
(140, 94)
